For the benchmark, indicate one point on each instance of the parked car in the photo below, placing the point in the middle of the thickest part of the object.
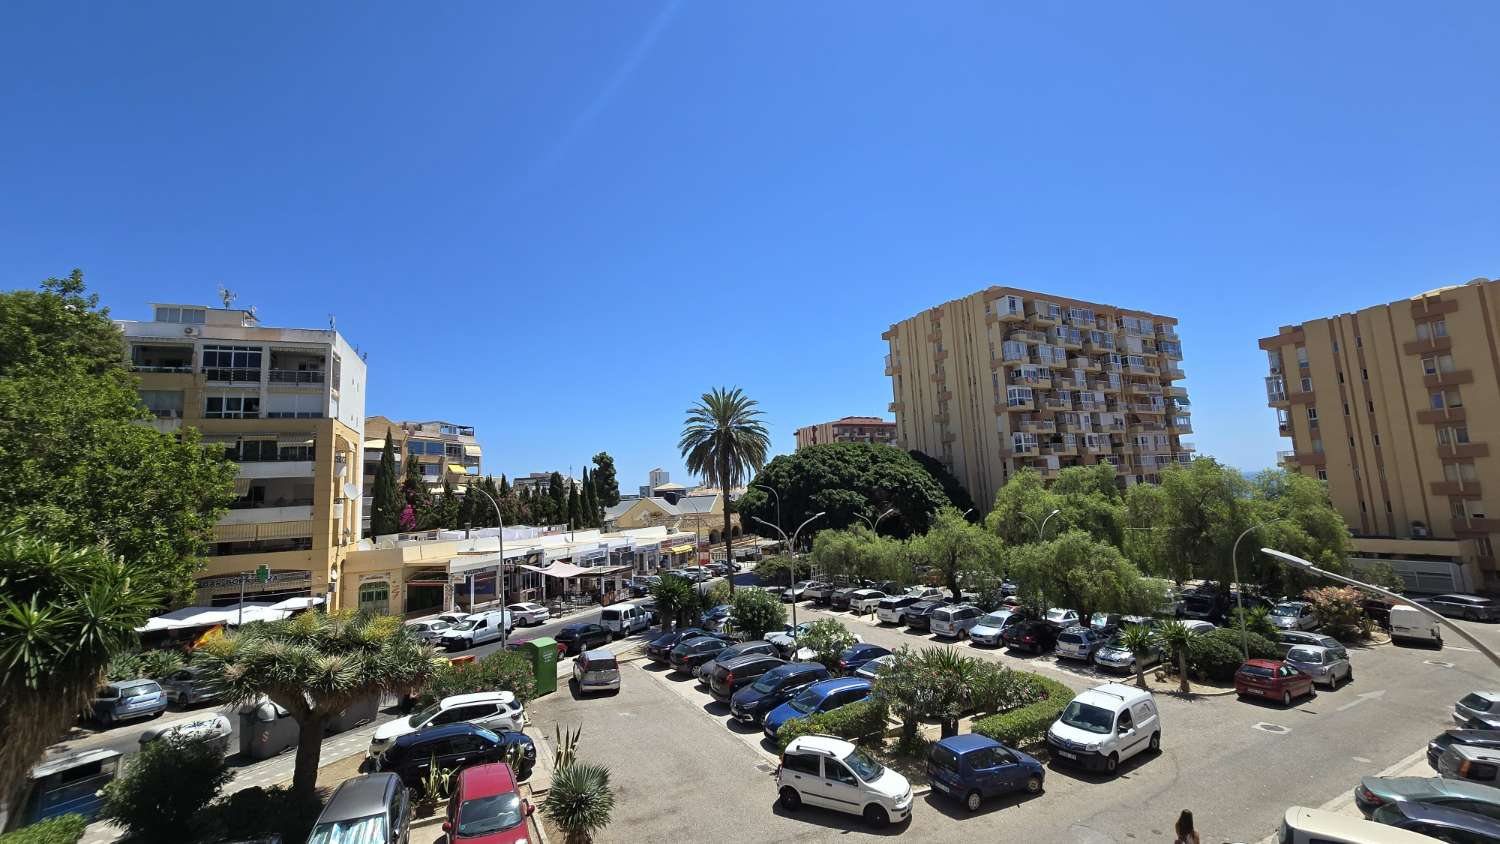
(1486, 739)
(714, 614)
(1374, 792)
(1409, 624)
(476, 629)
(926, 593)
(893, 608)
(1329, 666)
(775, 687)
(1289, 639)
(1196, 625)
(1378, 610)
(1471, 607)
(735, 651)
(1079, 642)
(1034, 635)
(989, 628)
(688, 654)
(871, 669)
(595, 671)
(1204, 604)
(486, 807)
(191, 686)
(1105, 622)
(918, 616)
(1271, 679)
(786, 640)
(1113, 654)
(823, 696)
(455, 746)
(841, 597)
(1439, 823)
(1061, 618)
(819, 592)
(528, 614)
(796, 591)
(574, 639)
(624, 619)
(1478, 711)
(1470, 762)
(213, 729)
(491, 710)
(450, 618)
(954, 622)
(370, 809)
(853, 658)
(1106, 725)
(1301, 825)
(834, 774)
(730, 675)
(1294, 615)
(429, 630)
(865, 600)
(125, 700)
(970, 768)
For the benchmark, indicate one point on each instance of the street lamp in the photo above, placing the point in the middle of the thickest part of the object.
(778, 501)
(1239, 594)
(792, 544)
(1298, 562)
(875, 525)
(1043, 526)
(500, 580)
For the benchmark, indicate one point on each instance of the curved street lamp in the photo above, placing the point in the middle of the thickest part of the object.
(1239, 594)
(792, 548)
(500, 580)
(1043, 526)
(875, 525)
(777, 496)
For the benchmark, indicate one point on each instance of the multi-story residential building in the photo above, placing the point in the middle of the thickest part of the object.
(443, 450)
(1004, 379)
(287, 405)
(658, 477)
(1388, 405)
(850, 429)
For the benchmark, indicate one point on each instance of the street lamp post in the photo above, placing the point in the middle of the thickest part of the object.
(792, 545)
(1298, 562)
(1239, 594)
(500, 579)
(1043, 526)
(775, 495)
(875, 525)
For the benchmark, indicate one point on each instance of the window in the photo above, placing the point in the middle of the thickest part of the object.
(1302, 356)
(1317, 446)
(1483, 548)
(1341, 376)
(1429, 366)
(1359, 342)
(187, 316)
(1445, 363)
(1346, 408)
(1377, 440)
(1437, 401)
(1307, 385)
(163, 404)
(1440, 328)
(1335, 347)
(376, 596)
(1312, 414)
(1018, 396)
(231, 407)
(1362, 507)
(800, 763)
(231, 357)
(1424, 331)
(838, 773)
(1364, 374)
(1454, 398)
(1322, 474)
(1370, 405)
(1461, 434)
(1351, 442)
(1388, 506)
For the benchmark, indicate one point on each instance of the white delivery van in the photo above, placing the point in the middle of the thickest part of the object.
(476, 629)
(1409, 624)
(624, 619)
(1106, 725)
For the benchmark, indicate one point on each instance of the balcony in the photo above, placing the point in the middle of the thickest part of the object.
(1044, 313)
(940, 356)
(297, 377)
(1438, 416)
(1166, 332)
(1038, 426)
(1104, 385)
(940, 418)
(228, 375)
(1177, 392)
(1027, 336)
(1427, 346)
(1066, 339)
(276, 469)
(293, 511)
(1055, 403)
(1431, 306)
(945, 396)
(1086, 364)
(1311, 458)
(1286, 457)
(1183, 426)
(935, 335)
(1173, 373)
(1005, 311)
(1460, 451)
(175, 359)
(938, 377)
(1284, 429)
(892, 365)
(1448, 379)
(896, 407)
(1034, 382)
(1186, 446)
(1466, 527)
(1456, 489)
(1140, 369)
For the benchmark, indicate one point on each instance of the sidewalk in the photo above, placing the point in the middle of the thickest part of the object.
(1414, 765)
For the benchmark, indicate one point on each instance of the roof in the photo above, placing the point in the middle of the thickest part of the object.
(477, 697)
(360, 797)
(485, 780)
(1117, 691)
(697, 503)
(1264, 663)
(599, 654)
(463, 728)
(1322, 823)
(968, 742)
(826, 745)
(839, 684)
(863, 420)
(1449, 817)
(130, 684)
(669, 487)
(615, 512)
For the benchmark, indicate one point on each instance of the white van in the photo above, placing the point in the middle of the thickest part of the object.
(1409, 624)
(1316, 826)
(1106, 725)
(624, 619)
(476, 629)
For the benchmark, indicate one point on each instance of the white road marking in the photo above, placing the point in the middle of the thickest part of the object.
(1458, 648)
(1361, 760)
(1375, 695)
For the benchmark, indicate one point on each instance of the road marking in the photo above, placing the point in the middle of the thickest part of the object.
(1375, 695)
(1439, 663)
(1274, 729)
(1458, 648)
(1362, 760)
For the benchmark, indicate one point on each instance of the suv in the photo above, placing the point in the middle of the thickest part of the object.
(1106, 725)
(126, 699)
(1471, 607)
(834, 774)
(373, 808)
(691, 653)
(187, 686)
(890, 610)
(988, 629)
(493, 710)
(918, 616)
(775, 687)
(731, 675)
(1032, 635)
(953, 622)
(705, 671)
(454, 746)
(577, 638)
(820, 697)
(865, 600)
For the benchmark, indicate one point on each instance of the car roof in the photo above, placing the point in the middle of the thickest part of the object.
(1446, 816)
(130, 684)
(462, 728)
(576, 627)
(596, 653)
(476, 697)
(821, 745)
(1264, 663)
(839, 684)
(360, 797)
(1483, 694)
(1320, 822)
(967, 743)
(486, 780)
(1114, 694)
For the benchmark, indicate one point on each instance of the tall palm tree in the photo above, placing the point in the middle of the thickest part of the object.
(725, 443)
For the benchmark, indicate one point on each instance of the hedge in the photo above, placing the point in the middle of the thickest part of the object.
(1215, 656)
(1027, 724)
(852, 721)
(63, 829)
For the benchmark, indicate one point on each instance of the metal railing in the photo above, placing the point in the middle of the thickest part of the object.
(231, 375)
(148, 367)
(297, 376)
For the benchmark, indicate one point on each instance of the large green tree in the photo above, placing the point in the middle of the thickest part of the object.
(385, 508)
(446, 508)
(857, 553)
(724, 442)
(606, 484)
(1299, 518)
(957, 495)
(957, 550)
(1079, 572)
(59, 323)
(557, 498)
(1085, 497)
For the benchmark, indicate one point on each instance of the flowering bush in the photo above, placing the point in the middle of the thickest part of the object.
(1339, 608)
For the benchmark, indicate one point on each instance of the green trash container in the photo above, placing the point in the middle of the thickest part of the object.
(542, 653)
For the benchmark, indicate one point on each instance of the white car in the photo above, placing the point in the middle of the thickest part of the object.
(1197, 625)
(528, 613)
(834, 774)
(786, 640)
(1294, 615)
(476, 629)
(1105, 726)
(1060, 618)
(925, 593)
(865, 600)
(429, 629)
(492, 710)
(989, 629)
(871, 669)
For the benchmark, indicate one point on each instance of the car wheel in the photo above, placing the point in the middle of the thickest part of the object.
(790, 799)
(1286, 698)
(1156, 742)
(972, 801)
(876, 816)
(1112, 764)
(1033, 785)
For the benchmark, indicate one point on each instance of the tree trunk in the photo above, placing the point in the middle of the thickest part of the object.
(309, 751)
(1183, 684)
(1140, 672)
(728, 543)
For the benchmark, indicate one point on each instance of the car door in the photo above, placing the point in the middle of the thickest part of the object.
(841, 788)
(458, 714)
(1127, 736)
(460, 752)
(419, 759)
(491, 716)
(990, 771)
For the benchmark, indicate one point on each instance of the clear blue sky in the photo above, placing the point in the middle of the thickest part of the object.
(562, 222)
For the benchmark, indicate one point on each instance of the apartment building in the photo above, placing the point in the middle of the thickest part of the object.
(850, 429)
(1389, 406)
(288, 406)
(1005, 379)
(443, 450)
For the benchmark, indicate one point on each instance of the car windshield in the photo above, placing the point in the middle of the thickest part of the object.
(138, 691)
(807, 701)
(1116, 642)
(767, 682)
(994, 619)
(863, 766)
(1089, 718)
(1256, 671)
(1476, 703)
(1099, 619)
(1304, 655)
(424, 716)
(1286, 610)
(467, 624)
(366, 830)
(1056, 615)
(484, 815)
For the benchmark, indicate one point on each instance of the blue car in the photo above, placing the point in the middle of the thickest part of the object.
(817, 698)
(853, 659)
(128, 699)
(971, 767)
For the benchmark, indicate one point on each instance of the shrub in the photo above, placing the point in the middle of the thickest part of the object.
(827, 639)
(580, 800)
(757, 611)
(1216, 655)
(1257, 620)
(164, 787)
(63, 829)
(853, 721)
(150, 664)
(257, 812)
(502, 670)
(1027, 723)
(1339, 608)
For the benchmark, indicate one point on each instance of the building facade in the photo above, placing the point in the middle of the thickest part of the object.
(1005, 379)
(657, 478)
(443, 450)
(850, 429)
(288, 406)
(1388, 405)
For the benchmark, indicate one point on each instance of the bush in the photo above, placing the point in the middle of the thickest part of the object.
(257, 812)
(1028, 723)
(853, 721)
(827, 639)
(165, 787)
(1216, 655)
(502, 670)
(149, 664)
(756, 611)
(580, 800)
(1339, 608)
(63, 829)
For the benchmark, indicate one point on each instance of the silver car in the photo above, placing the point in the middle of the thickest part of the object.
(1328, 666)
(1294, 615)
(429, 630)
(989, 629)
(1478, 710)
(1113, 654)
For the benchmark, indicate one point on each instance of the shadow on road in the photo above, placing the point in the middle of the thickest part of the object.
(953, 807)
(829, 819)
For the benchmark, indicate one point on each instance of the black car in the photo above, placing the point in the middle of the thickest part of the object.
(854, 658)
(918, 616)
(1378, 610)
(840, 599)
(1448, 738)
(1440, 823)
(775, 687)
(660, 648)
(1205, 604)
(577, 638)
(691, 653)
(454, 746)
(731, 675)
(1036, 636)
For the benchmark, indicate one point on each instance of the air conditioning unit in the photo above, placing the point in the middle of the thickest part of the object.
(189, 330)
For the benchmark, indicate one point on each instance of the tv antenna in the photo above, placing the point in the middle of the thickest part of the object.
(227, 296)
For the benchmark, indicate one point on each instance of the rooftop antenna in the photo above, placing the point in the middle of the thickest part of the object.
(331, 323)
(227, 296)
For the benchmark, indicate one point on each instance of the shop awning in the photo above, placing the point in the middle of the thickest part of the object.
(681, 549)
(374, 443)
(472, 451)
(456, 469)
(558, 570)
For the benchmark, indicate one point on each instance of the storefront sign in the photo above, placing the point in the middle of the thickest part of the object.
(283, 577)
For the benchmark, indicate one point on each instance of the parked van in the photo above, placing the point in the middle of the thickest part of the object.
(1316, 826)
(1106, 725)
(1409, 624)
(476, 629)
(624, 619)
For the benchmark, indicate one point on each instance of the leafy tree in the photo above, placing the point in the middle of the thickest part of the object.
(1383, 575)
(417, 512)
(505, 496)
(1338, 607)
(41, 328)
(856, 553)
(956, 549)
(315, 665)
(575, 513)
(756, 612)
(1299, 519)
(1208, 505)
(676, 600)
(1147, 533)
(165, 787)
(1177, 639)
(783, 569)
(1140, 641)
(724, 442)
(827, 639)
(557, 498)
(445, 511)
(1081, 573)
(469, 508)
(59, 829)
(606, 484)
(1085, 498)
(385, 509)
(580, 800)
(957, 495)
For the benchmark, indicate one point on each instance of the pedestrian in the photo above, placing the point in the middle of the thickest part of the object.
(1185, 832)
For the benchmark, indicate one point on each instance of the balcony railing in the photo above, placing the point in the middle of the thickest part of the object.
(261, 505)
(147, 367)
(232, 376)
(296, 376)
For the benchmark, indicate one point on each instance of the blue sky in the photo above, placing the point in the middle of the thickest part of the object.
(561, 223)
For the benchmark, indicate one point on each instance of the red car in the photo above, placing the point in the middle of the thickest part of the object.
(485, 807)
(1271, 679)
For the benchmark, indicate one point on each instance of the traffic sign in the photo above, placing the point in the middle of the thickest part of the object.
(263, 574)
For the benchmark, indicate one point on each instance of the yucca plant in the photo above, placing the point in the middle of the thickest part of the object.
(437, 783)
(1175, 635)
(580, 801)
(567, 745)
(1140, 641)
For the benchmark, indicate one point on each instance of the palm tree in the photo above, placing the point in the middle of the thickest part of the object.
(315, 665)
(1175, 635)
(580, 800)
(725, 443)
(1140, 641)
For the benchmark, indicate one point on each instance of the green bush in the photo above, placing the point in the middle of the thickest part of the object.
(1216, 655)
(853, 721)
(256, 812)
(827, 639)
(150, 664)
(757, 611)
(63, 829)
(500, 671)
(1027, 724)
(165, 787)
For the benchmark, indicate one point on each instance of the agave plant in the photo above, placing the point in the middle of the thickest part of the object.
(567, 745)
(580, 801)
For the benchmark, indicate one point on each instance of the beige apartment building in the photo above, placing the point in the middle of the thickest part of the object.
(850, 429)
(443, 451)
(1004, 379)
(288, 406)
(1394, 406)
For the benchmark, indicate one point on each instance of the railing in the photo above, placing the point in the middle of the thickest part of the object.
(232, 376)
(294, 414)
(280, 502)
(296, 376)
(147, 367)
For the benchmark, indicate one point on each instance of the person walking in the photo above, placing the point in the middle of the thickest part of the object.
(1185, 832)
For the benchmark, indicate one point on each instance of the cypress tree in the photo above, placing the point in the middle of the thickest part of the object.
(557, 492)
(385, 508)
(575, 516)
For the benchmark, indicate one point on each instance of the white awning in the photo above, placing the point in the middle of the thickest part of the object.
(473, 451)
(375, 444)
